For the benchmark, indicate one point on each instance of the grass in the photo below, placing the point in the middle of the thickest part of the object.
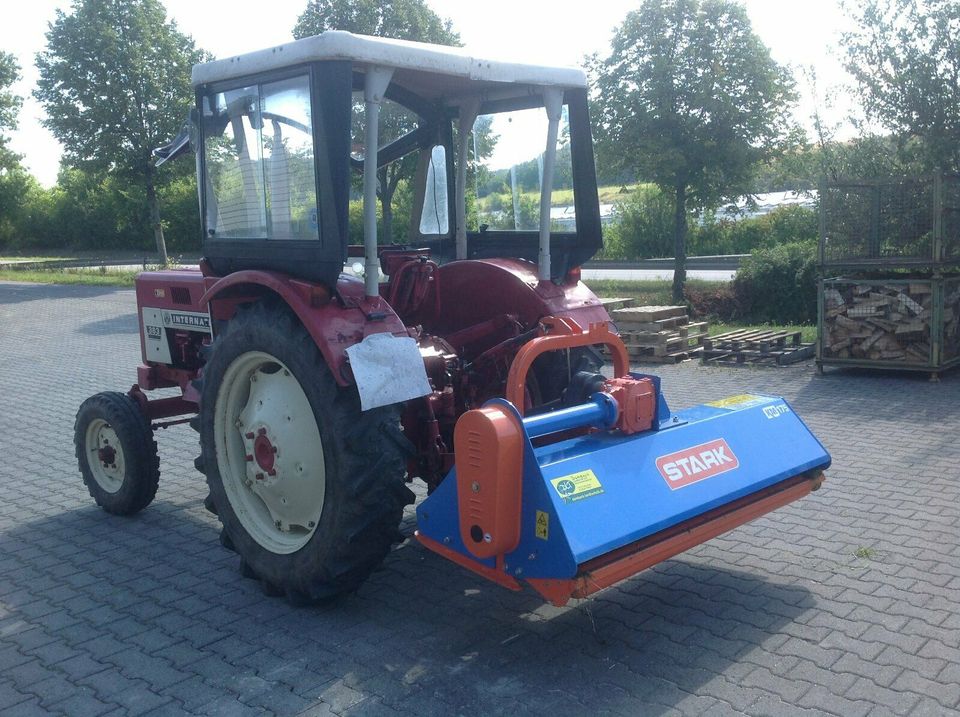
(652, 292)
(88, 277)
(658, 292)
(16, 257)
(564, 197)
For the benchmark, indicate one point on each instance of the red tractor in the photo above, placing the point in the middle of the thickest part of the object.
(465, 357)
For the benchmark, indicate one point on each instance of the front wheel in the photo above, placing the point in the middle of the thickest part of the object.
(116, 453)
(310, 490)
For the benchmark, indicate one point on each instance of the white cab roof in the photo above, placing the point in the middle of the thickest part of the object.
(432, 71)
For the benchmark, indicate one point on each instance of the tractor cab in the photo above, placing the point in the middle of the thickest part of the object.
(287, 182)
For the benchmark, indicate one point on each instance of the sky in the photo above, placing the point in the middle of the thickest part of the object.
(799, 34)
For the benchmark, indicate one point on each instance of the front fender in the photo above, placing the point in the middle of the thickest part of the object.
(335, 322)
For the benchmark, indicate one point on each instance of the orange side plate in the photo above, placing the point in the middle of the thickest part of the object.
(620, 564)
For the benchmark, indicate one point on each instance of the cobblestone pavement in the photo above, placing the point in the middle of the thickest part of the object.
(843, 603)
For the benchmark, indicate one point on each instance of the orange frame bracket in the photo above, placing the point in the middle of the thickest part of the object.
(562, 333)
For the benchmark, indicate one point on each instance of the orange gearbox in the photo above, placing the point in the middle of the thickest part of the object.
(488, 443)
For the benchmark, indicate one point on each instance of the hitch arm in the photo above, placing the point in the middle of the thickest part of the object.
(562, 333)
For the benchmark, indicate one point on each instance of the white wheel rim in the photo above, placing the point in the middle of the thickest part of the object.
(269, 452)
(104, 455)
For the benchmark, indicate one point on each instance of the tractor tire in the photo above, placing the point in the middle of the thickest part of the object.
(310, 490)
(116, 453)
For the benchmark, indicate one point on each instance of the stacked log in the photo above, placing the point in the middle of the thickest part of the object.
(878, 321)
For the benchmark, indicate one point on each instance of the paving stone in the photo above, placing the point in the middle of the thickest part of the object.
(10, 696)
(148, 614)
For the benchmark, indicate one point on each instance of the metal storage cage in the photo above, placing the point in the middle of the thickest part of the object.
(906, 222)
(896, 323)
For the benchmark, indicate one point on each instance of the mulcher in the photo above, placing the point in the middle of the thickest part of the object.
(465, 358)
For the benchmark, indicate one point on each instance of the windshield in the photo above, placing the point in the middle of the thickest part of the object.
(258, 153)
(509, 148)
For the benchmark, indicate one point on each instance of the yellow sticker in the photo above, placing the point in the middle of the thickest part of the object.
(543, 525)
(742, 400)
(577, 486)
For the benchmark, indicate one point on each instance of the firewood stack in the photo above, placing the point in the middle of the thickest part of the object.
(879, 321)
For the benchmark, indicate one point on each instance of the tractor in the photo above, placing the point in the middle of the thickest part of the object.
(461, 351)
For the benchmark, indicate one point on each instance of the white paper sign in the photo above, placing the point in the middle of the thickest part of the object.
(388, 369)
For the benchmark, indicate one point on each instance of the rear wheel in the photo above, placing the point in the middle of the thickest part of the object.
(310, 490)
(116, 453)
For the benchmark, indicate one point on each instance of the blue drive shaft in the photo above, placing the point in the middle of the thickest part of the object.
(599, 412)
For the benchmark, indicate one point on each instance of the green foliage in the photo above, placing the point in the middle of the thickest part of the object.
(643, 228)
(528, 208)
(779, 284)
(87, 277)
(690, 99)
(86, 212)
(905, 57)
(869, 155)
(402, 206)
(9, 108)
(16, 189)
(15, 183)
(180, 209)
(400, 19)
(783, 225)
(89, 213)
(115, 84)
(652, 292)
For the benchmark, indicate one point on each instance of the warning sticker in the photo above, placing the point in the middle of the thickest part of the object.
(543, 525)
(743, 400)
(577, 486)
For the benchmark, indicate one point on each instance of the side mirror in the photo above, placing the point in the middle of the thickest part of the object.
(187, 139)
(434, 219)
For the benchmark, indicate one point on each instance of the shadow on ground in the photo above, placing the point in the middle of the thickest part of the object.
(422, 635)
(16, 293)
(126, 324)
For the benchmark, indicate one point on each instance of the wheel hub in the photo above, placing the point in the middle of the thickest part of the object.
(264, 452)
(107, 456)
(276, 474)
(109, 467)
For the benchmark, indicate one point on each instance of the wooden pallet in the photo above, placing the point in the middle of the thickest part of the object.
(645, 338)
(649, 314)
(616, 303)
(659, 334)
(751, 346)
(649, 355)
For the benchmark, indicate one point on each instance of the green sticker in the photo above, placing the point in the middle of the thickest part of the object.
(577, 486)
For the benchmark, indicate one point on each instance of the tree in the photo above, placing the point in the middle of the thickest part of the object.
(690, 99)
(399, 19)
(115, 84)
(905, 57)
(14, 180)
(9, 108)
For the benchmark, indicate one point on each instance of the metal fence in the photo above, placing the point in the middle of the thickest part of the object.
(951, 320)
(912, 221)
